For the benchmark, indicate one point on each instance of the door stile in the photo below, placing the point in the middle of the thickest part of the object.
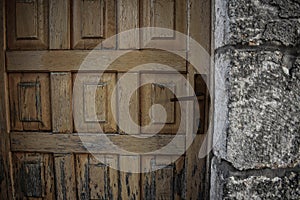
(61, 103)
(199, 29)
(5, 156)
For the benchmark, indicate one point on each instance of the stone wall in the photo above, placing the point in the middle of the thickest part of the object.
(257, 100)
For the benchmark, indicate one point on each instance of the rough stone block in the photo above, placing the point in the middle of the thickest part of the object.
(256, 22)
(228, 183)
(262, 187)
(262, 121)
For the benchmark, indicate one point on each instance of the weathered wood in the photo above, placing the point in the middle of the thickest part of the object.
(201, 88)
(82, 176)
(192, 123)
(147, 190)
(95, 180)
(30, 101)
(93, 101)
(27, 24)
(26, 178)
(26, 19)
(130, 180)
(93, 22)
(65, 165)
(195, 186)
(5, 156)
(110, 25)
(128, 15)
(166, 14)
(162, 94)
(163, 15)
(65, 176)
(159, 14)
(33, 176)
(200, 30)
(162, 89)
(97, 60)
(62, 123)
(16, 124)
(113, 176)
(88, 23)
(163, 177)
(59, 23)
(200, 22)
(49, 175)
(96, 143)
(128, 104)
(95, 106)
(180, 180)
(61, 101)
(92, 19)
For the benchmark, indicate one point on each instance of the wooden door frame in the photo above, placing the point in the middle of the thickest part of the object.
(5, 156)
(204, 15)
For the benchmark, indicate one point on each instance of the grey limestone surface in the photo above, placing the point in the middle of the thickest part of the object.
(262, 95)
(257, 100)
(257, 22)
(264, 184)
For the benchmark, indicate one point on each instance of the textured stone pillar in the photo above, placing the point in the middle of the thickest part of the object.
(257, 104)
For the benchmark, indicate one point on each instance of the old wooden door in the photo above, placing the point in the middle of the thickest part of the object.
(43, 44)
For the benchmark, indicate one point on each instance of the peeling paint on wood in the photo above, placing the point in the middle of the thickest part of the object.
(70, 171)
(65, 176)
(31, 180)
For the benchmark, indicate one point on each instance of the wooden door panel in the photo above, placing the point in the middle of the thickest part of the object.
(159, 182)
(128, 103)
(59, 24)
(33, 176)
(27, 24)
(162, 91)
(98, 178)
(170, 14)
(29, 101)
(167, 14)
(61, 102)
(128, 18)
(93, 22)
(93, 102)
(95, 180)
(113, 176)
(99, 181)
(65, 180)
(130, 180)
(165, 179)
